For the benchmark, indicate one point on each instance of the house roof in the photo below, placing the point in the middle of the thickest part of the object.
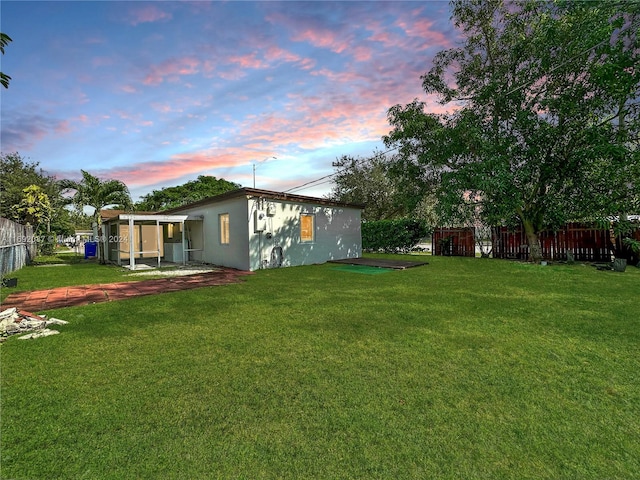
(268, 194)
(111, 214)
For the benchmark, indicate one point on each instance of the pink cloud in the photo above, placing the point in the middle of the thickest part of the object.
(164, 108)
(147, 14)
(62, 127)
(275, 53)
(248, 61)
(133, 119)
(171, 69)
(422, 28)
(307, 64)
(189, 163)
(321, 127)
(323, 39)
(208, 67)
(388, 39)
(362, 53)
(340, 77)
(233, 74)
(384, 37)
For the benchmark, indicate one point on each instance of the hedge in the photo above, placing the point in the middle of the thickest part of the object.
(392, 235)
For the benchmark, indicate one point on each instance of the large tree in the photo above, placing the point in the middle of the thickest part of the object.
(543, 117)
(375, 183)
(170, 197)
(367, 181)
(98, 194)
(18, 174)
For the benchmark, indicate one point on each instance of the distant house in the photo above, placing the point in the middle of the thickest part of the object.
(247, 229)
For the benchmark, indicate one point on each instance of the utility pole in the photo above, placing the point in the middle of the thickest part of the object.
(254, 168)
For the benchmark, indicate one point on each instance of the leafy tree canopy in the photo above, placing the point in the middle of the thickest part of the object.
(367, 182)
(544, 114)
(171, 197)
(35, 207)
(384, 193)
(16, 174)
(22, 186)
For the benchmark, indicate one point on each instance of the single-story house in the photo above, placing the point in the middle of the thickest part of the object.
(247, 229)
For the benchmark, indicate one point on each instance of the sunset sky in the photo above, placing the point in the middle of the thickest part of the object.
(157, 93)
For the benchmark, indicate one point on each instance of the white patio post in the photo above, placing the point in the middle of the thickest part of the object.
(158, 240)
(118, 233)
(132, 261)
(184, 256)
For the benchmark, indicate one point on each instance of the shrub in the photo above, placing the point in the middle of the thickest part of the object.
(392, 235)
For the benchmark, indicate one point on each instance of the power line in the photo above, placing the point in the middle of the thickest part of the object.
(327, 178)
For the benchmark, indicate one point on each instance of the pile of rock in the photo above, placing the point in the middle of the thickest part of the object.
(14, 321)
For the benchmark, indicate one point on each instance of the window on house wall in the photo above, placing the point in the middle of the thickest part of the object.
(224, 228)
(170, 230)
(306, 228)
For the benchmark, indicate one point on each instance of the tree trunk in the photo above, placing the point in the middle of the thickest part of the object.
(535, 250)
(100, 244)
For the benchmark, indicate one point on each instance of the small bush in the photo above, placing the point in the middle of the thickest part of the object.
(46, 245)
(392, 235)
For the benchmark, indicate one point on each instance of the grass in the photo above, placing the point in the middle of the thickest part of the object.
(461, 369)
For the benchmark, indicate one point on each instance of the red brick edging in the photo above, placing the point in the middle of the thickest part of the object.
(60, 297)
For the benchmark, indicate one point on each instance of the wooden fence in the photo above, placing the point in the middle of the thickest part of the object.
(633, 257)
(17, 246)
(454, 242)
(584, 242)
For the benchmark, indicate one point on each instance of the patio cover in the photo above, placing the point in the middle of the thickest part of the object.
(158, 219)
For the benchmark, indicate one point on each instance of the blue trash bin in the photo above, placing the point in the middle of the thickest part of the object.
(90, 249)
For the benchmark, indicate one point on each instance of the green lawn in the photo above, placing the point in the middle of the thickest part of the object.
(460, 369)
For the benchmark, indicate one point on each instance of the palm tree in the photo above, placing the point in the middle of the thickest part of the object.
(96, 193)
(4, 41)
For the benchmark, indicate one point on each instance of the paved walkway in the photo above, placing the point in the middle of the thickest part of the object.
(60, 297)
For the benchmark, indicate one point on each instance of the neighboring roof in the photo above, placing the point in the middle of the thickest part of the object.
(111, 214)
(156, 217)
(268, 194)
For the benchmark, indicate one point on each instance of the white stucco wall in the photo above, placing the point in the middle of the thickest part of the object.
(337, 233)
(236, 253)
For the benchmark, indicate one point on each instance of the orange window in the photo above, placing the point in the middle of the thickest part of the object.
(306, 228)
(224, 228)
